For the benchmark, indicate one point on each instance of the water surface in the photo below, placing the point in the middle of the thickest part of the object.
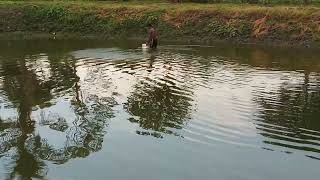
(108, 110)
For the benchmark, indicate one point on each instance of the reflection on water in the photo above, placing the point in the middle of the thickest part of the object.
(59, 100)
(291, 117)
(159, 105)
(34, 84)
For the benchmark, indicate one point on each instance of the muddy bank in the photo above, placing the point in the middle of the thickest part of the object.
(292, 25)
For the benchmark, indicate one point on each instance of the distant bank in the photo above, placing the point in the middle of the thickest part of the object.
(239, 23)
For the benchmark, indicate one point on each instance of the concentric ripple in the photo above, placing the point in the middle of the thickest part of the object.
(61, 103)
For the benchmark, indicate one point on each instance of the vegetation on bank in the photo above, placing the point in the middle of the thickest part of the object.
(202, 1)
(240, 22)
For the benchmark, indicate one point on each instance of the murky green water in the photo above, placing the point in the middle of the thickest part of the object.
(102, 110)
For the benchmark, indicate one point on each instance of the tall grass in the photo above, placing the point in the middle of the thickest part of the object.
(266, 2)
(174, 21)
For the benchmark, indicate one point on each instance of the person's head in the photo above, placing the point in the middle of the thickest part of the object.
(150, 25)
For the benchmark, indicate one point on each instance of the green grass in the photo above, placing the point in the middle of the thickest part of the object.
(196, 1)
(174, 21)
(159, 5)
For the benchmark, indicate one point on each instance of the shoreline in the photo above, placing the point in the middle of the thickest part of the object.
(186, 40)
(280, 25)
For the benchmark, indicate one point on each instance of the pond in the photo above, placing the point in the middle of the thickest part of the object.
(88, 109)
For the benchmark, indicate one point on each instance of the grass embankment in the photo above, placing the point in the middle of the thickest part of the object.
(199, 22)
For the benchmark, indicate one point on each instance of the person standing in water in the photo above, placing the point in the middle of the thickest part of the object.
(153, 39)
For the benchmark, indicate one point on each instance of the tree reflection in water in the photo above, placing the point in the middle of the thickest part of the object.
(158, 105)
(158, 108)
(86, 134)
(291, 119)
(26, 89)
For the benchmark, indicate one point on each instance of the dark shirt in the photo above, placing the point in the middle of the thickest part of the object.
(152, 35)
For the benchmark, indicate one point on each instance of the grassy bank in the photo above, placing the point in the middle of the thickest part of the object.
(199, 22)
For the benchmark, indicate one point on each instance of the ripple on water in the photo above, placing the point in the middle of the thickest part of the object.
(208, 99)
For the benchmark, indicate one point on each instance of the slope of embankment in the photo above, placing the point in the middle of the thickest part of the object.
(283, 24)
